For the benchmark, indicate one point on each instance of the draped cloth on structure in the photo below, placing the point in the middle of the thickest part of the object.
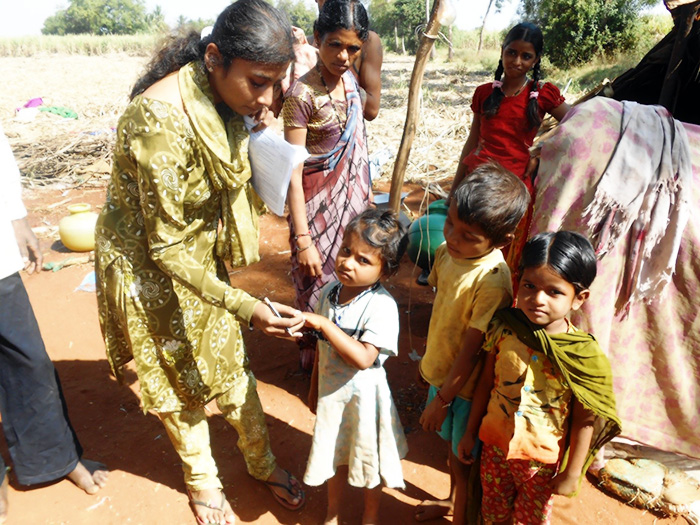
(653, 346)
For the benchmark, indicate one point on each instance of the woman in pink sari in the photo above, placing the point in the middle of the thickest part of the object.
(323, 112)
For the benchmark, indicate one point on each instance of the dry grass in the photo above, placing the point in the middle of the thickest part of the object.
(24, 46)
(52, 149)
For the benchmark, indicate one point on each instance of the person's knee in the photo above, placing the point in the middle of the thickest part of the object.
(460, 471)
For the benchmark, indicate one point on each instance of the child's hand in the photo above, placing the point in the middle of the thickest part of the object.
(314, 321)
(433, 415)
(284, 327)
(465, 447)
(564, 483)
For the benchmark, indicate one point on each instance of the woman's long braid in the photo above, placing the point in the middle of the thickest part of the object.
(493, 102)
(533, 108)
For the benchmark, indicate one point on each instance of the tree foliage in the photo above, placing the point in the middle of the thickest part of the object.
(402, 17)
(299, 14)
(577, 30)
(102, 17)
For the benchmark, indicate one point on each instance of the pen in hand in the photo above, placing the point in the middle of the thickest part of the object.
(277, 314)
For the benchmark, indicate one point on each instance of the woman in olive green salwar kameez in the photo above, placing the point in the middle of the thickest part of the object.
(180, 170)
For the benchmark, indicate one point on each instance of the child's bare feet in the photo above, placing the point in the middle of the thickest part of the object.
(211, 506)
(432, 509)
(89, 476)
(3, 498)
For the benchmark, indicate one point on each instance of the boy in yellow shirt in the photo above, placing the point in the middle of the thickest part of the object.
(472, 281)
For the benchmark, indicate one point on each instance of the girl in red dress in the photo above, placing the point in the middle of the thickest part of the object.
(507, 115)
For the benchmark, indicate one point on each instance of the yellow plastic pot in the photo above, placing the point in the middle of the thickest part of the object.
(77, 230)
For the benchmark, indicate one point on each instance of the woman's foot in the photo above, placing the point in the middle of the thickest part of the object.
(89, 476)
(286, 489)
(433, 509)
(211, 507)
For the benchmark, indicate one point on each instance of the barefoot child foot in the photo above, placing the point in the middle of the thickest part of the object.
(89, 476)
(210, 506)
(432, 509)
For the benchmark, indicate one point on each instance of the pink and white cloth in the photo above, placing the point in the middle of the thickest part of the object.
(643, 307)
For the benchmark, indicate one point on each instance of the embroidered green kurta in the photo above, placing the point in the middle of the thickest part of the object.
(163, 291)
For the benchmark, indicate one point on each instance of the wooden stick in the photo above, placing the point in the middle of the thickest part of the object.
(409, 129)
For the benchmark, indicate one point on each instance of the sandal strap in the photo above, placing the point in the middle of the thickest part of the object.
(208, 504)
(289, 486)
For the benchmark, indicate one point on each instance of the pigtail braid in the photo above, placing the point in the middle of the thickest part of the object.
(493, 102)
(533, 108)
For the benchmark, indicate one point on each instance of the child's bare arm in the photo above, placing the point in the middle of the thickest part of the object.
(354, 353)
(482, 394)
(313, 387)
(434, 414)
(566, 482)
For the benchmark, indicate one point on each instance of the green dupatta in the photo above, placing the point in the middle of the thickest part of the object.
(224, 155)
(585, 368)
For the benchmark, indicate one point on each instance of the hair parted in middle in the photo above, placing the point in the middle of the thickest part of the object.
(492, 198)
(342, 14)
(527, 32)
(569, 254)
(381, 230)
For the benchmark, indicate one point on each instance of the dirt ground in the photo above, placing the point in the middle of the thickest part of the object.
(145, 485)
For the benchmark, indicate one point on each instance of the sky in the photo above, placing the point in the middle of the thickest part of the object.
(26, 17)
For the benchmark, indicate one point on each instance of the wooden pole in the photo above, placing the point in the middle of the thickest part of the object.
(409, 129)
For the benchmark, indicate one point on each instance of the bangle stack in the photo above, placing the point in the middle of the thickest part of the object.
(445, 404)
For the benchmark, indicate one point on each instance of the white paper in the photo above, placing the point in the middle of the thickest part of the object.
(272, 160)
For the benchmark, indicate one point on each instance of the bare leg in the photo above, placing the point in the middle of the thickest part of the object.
(460, 471)
(89, 476)
(336, 487)
(431, 509)
(372, 499)
(3, 498)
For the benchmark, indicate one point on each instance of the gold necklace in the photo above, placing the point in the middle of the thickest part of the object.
(519, 90)
(335, 109)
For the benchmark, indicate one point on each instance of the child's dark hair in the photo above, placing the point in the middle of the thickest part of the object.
(532, 34)
(382, 230)
(492, 198)
(569, 254)
(342, 14)
(249, 29)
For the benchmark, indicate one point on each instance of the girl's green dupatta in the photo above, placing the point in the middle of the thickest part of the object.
(585, 368)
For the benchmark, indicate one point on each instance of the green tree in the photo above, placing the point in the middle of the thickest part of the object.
(409, 15)
(299, 14)
(119, 17)
(155, 20)
(575, 31)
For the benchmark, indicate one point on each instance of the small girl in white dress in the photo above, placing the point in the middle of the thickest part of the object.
(357, 429)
